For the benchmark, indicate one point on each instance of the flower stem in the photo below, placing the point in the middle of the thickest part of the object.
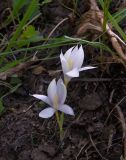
(65, 82)
(62, 119)
(62, 114)
(60, 124)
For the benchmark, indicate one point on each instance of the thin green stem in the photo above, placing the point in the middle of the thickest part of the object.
(62, 119)
(62, 114)
(66, 80)
(60, 124)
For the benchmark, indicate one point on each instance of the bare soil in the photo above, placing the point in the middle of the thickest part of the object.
(98, 98)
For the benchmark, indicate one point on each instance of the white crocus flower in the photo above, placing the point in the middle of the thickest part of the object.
(56, 97)
(72, 62)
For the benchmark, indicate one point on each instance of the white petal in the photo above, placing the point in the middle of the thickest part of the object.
(73, 73)
(43, 98)
(78, 57)
(75, 49)
(52, 91)
(61, 91)
(47, 113)
(62, 58)
(86, 68)
(64, 63)
(68, 53)
(66, 109)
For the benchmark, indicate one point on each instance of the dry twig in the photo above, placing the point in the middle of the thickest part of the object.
(122, 120)
(18, 68)
(93, 144)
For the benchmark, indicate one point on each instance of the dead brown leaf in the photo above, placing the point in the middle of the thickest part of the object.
(38, 70)
(21, 67)
(92, 21)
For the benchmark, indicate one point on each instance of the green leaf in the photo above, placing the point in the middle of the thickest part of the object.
(19, 4)
(120, 15)
(30, 12)
(56, 42)
(20, 7)
(29, 32)
(114, 23)
(10, 65)
(118, 28)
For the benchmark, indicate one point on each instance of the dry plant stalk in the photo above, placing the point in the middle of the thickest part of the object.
(94, 21)
(21, 67)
